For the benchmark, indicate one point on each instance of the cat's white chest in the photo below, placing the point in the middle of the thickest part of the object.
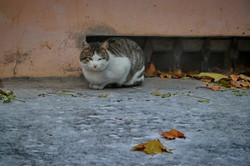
(116, 71)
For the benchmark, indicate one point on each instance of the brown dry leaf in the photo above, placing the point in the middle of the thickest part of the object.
(240, 84)
(172, 134)
(234, 77)
(152, 147)
(178, 73)
(165, 75)
(213, 87)
(151, 70)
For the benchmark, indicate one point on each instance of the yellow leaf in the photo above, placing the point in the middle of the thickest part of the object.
(156, 94)
(102, 95)
(246, 78)
(152, 147)
(216, 76)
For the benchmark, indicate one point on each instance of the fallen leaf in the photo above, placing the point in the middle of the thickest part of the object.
(162, 95)
(67, 93)
(151, 70)
(240, 84)
(213, 87)
(118, 100)
(165, 75)
(244, 77)
(6, 96)
(133, 117)
(178, 73)
(42, 95)
(207, 79)
(216, 76)
(156, 94)
(203, 101)
(152, 147)
(166, 95)
(172, 134)
(102, 95)
(234, 77)
(199, 130)
(118, 118)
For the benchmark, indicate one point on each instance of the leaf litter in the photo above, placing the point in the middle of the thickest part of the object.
(213, 81)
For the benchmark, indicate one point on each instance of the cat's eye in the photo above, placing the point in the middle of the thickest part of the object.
(100, 59)
(82, 58)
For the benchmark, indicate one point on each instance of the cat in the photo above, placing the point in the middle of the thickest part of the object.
(117, 61)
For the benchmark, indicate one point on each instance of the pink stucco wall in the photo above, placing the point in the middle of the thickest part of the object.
(40, 38)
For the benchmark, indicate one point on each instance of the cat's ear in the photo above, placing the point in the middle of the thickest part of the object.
(104, 45)
(85, 45)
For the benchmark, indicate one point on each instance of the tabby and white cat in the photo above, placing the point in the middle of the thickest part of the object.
(117, 61)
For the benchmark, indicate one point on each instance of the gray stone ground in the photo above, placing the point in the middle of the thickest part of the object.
(80, 128)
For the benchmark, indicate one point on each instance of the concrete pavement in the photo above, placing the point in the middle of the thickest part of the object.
(62, 122)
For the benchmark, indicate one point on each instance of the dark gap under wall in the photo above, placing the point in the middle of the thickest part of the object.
(208, 54)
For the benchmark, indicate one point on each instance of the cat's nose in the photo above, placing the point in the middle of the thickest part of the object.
(95, 66)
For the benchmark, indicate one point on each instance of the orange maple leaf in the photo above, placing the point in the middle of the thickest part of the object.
(172, 134)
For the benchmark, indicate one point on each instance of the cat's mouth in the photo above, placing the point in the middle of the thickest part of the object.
(96, 69)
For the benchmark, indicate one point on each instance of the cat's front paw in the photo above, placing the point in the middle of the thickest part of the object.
(95, 86)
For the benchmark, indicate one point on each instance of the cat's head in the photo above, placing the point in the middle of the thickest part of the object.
(94, 56)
